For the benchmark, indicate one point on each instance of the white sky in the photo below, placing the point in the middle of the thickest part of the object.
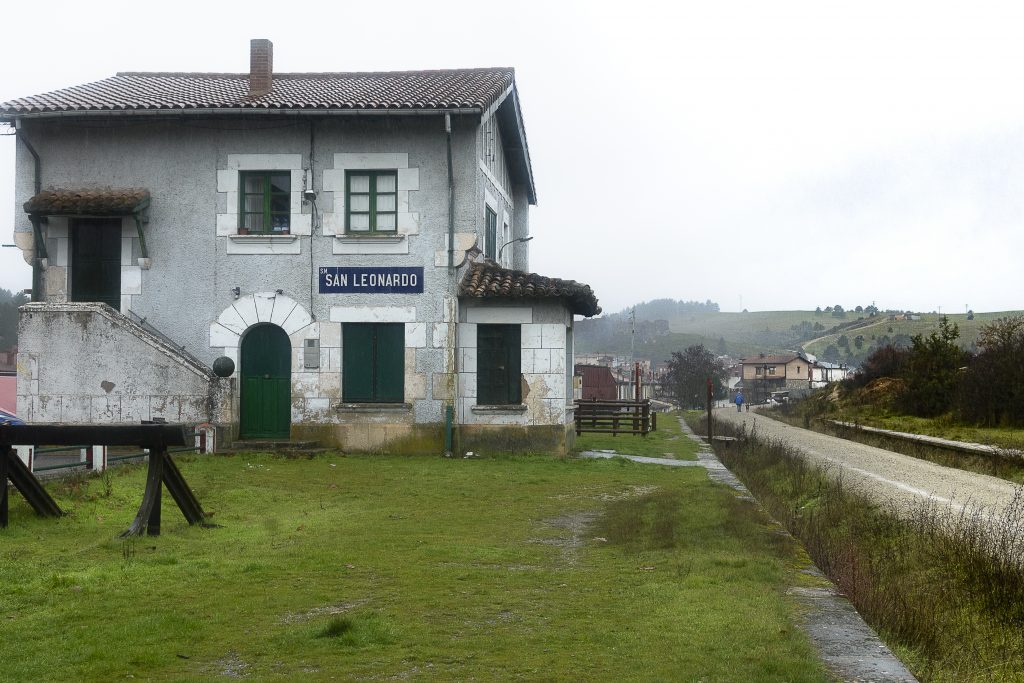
(763, 155)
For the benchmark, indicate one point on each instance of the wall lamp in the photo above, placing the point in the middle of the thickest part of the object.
(237, 291)
(518, 239)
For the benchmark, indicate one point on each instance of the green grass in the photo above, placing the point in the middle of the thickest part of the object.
(874, 415)
(387, 567)
(667, 441)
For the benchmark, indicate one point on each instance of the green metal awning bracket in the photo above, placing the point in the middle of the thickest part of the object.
(37, 236)
(141, 216)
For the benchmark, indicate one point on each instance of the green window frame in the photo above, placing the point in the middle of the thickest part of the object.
(373, 362)
(264, 202)
(371, 202)
(490, 233)
(498, 356)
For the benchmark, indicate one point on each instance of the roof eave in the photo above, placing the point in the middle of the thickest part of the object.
(510, 115)
(13, 117)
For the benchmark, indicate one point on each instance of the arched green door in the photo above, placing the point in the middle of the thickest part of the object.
(266, 383)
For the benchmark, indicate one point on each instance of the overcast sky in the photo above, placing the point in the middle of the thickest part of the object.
(763, 155)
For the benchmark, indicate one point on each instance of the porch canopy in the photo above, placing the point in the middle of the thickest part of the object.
(86, 203)
(488, 280)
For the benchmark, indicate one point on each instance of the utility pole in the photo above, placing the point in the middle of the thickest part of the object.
(633, 365)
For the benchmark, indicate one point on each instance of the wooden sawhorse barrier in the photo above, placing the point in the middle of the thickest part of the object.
(162, 470)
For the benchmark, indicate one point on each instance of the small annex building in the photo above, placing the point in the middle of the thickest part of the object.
(339, 257)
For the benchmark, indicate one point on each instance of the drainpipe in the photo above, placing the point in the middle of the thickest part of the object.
(451, 194)
(39, 246)
(452, 309)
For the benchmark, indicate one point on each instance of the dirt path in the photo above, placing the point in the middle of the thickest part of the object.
(882, 474)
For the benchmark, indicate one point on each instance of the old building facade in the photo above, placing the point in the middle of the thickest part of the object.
(356, 245)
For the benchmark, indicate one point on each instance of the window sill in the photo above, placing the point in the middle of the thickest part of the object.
(371, 238)
(373, 407)
(261, 237)
(264, 244)
(499, 410)
(370, 244)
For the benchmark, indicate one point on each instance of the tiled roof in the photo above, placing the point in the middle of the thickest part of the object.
(395, 90)
(758, 360)
(488, 280)
(109, 202)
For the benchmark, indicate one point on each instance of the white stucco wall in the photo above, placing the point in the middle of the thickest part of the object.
(206, 286)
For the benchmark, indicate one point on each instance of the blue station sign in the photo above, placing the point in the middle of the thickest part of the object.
(371, 280)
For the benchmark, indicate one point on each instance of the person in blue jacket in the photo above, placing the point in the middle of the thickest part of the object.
(739, 401)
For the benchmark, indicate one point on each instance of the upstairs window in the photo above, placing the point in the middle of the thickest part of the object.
(490, 233)
(265, 202)
(498, 365)
(371, 202)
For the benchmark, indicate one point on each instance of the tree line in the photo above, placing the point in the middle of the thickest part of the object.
(9, 303)
(934, 376)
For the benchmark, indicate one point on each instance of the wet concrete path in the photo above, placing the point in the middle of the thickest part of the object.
(850, 649)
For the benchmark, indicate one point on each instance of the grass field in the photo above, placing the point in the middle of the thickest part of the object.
(665, 442)
(385, 567)
(747, 328)
(929, 322)
(768, 328)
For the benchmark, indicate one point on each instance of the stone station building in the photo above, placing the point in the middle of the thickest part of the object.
(356, 244)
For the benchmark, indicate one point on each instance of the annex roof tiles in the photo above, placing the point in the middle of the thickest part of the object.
(761, 360)
(488, 280)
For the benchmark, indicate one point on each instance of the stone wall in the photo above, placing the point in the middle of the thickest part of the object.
(85, 363)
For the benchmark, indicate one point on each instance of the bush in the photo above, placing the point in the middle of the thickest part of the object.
(992, 390)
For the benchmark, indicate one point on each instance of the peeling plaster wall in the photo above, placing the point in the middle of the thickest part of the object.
(82, 363)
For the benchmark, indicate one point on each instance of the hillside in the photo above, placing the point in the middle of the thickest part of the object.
(662, 328)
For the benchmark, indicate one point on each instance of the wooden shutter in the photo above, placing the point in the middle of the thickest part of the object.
(498, 365)
(389, 363)
(373, 362)
(357, 362)
(491, 238)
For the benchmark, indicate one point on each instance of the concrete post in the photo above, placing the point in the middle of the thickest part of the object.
(97, 458)
(27, 455)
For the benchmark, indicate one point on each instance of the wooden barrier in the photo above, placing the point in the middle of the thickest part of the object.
(615, 417)
(162, 470)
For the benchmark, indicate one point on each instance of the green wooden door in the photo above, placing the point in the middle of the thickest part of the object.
(266, 383)
(96, 261)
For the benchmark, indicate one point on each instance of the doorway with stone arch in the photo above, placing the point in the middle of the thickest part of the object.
(265, 372)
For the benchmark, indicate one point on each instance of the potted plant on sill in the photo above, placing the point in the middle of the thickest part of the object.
(243, 231)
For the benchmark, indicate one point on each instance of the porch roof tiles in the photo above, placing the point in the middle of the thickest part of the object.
(73, 202)
(488, 280)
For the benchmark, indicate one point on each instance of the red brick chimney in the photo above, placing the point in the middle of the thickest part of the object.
(261, 66)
